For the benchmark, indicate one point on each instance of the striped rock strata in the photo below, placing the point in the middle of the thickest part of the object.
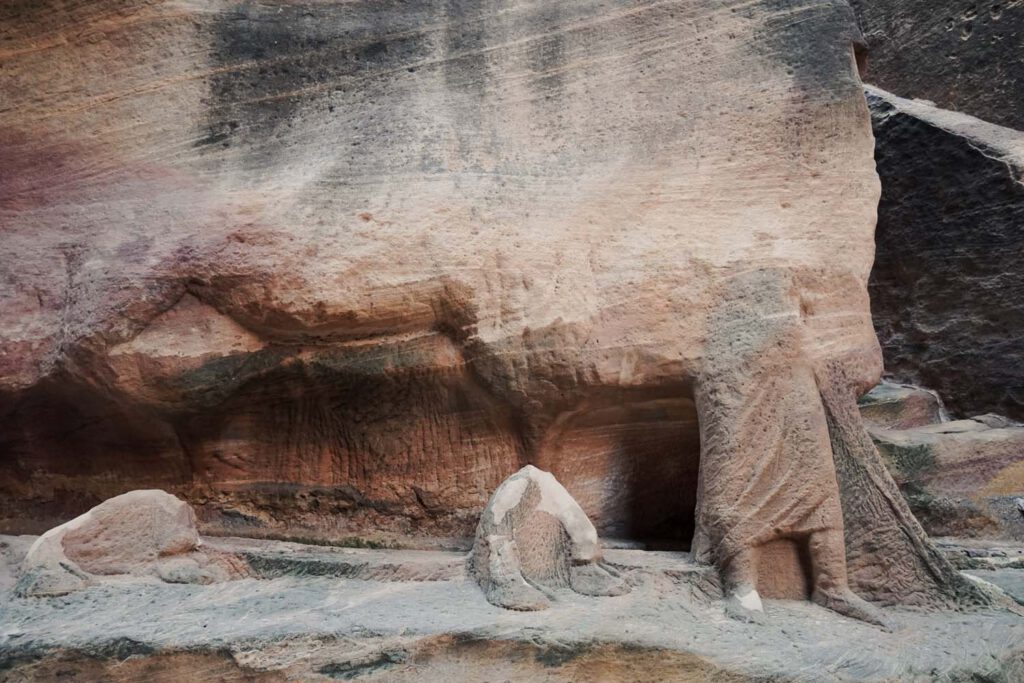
(341, 267)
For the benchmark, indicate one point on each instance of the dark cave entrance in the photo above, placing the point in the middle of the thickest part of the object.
(310, 451)
(633, 467)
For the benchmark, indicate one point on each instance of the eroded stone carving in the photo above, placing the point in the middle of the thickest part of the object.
(140, 533)
(767, 473)
(352, 288)
(533, 537)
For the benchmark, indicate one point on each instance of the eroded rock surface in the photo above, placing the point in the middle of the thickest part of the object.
(947, 287)
(397, 624)
(140, 533)
(340, 267)
(533, 537)
(961, 55)
(961, 478)
(900, 406)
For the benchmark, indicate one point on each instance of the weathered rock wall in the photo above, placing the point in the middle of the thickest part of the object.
(332, 268)
(959, 54)
(946, 289)
(961, 478)
(361, 256)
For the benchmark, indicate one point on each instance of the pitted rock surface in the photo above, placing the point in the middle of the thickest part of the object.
(946, 286)
(140, 533)
(533, 538)
(329, 269)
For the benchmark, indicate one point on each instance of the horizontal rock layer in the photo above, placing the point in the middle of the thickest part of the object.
(326, 614)
(961, 478)
(337, 268)
(900, 406)
(345, 266)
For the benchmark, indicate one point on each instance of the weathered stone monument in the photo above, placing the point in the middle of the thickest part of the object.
(331, 268)
(533, 535)
(139, 533)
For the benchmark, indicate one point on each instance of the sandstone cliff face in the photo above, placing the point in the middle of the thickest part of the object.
(339, 267)
(959, 54)
(947, 282)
